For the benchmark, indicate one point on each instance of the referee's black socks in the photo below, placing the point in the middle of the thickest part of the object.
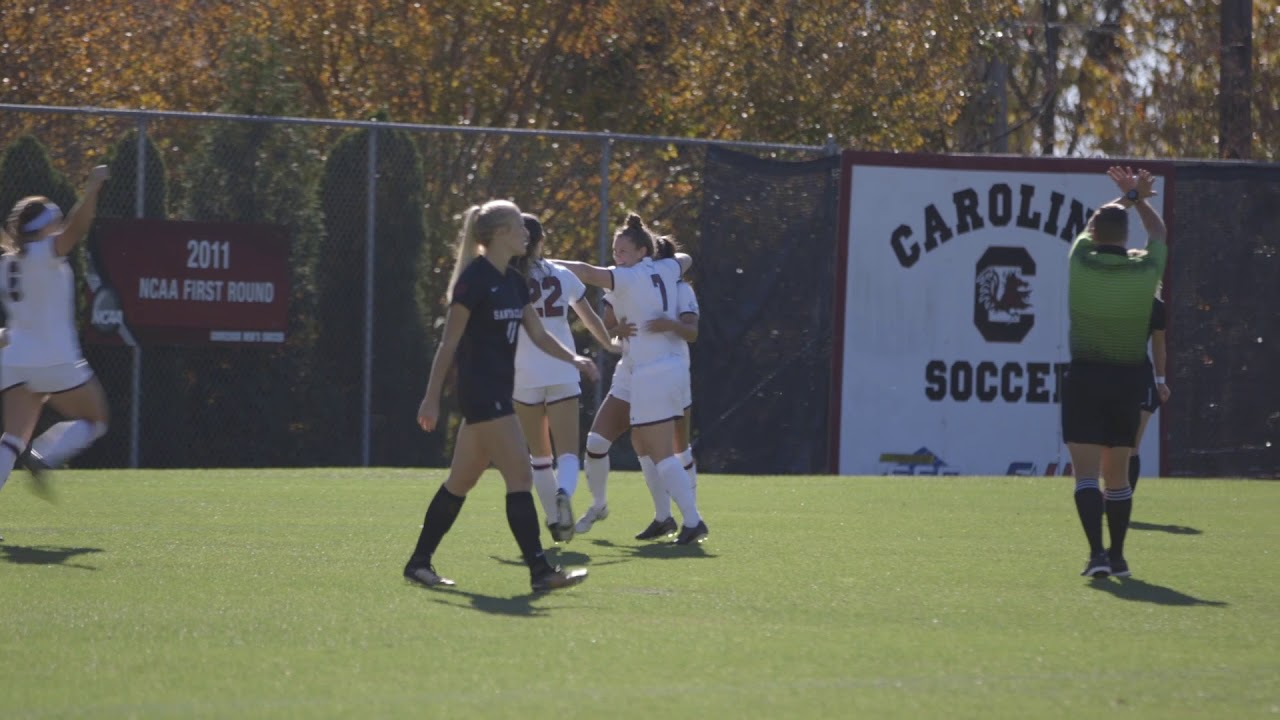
(441, 513)
(1090, 507)
(522, 516)
(1119, 509)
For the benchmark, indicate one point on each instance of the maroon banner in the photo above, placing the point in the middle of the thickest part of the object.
(163, 282)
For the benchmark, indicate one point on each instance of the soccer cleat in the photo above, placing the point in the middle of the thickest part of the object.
(1099, 566)
(1119, 566)
(40, 476)
(424, 575)
(555, 578)
(564, 517)
(554, 529)
(592, 516)
(657, 529)
(691, 535)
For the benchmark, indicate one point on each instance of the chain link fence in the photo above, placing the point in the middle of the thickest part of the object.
(372, 211)
(367, 205)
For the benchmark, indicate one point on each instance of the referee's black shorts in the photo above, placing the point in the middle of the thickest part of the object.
(1101, 403)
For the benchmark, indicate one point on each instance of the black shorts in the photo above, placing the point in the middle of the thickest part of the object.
(1150, 395)
(1100, 404)
(482, 406)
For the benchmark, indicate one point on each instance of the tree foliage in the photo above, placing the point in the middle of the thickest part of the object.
(1135, 79)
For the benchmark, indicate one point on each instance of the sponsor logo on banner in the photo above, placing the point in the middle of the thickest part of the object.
(920, 462)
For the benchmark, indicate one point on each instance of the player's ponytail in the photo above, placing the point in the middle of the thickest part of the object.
(466, 246)
(665, 247)
(635, 229)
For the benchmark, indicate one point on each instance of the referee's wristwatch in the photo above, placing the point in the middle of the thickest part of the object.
(1132, 196)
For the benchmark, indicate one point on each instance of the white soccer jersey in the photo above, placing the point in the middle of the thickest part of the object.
(38, 298)
(552, 289)
(643, 292)
(686, 302)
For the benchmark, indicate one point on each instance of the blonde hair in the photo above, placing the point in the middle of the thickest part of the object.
(479, 223)
(12, 239)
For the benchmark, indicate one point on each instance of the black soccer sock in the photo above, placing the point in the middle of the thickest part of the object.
(441, 513)
(1135, 469)
(1089, 506)
(1119, 510)
(522, 516)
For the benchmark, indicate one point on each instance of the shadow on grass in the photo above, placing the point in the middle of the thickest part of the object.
(46, 555)
(1140, 591)
(659, 550)
(1171, 529)
(560, 556)
(514, 606)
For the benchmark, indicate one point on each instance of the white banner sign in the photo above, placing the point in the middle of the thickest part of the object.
(955, 318)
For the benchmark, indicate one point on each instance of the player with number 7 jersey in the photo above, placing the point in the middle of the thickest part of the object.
(643, 285)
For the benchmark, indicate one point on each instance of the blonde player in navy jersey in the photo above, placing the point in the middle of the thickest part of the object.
(547, 389)
(41, 361)
(644, 289)
(489, 302)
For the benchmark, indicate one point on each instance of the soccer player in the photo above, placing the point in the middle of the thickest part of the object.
(1109, 304)
(42, 361)
(489, 303)
(685, 328)
(1155, 390)
(644, 289)
(547, 389)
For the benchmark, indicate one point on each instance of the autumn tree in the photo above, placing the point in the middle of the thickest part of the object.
(400, 351)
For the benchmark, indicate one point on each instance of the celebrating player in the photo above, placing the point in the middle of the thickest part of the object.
(644, 289)
(547, 389)
(42, 361)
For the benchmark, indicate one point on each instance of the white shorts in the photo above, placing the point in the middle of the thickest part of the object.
(686, 390)
(47, 379)
(620, 387)
(661, 392)
(547, 394)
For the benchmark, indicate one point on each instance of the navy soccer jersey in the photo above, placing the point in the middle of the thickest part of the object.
(487, 352)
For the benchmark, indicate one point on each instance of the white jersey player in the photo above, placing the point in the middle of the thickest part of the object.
(546, 389)
(644, 286)
(42, 360)
(685, 328)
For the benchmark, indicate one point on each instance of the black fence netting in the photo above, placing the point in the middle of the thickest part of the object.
(1224, 336)
(765, 275)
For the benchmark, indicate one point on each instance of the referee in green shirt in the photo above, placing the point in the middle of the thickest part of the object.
(1109, 302)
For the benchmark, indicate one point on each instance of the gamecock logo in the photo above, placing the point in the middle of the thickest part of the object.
(1002, 308)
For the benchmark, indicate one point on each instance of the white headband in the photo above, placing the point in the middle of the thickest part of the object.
(50, 214)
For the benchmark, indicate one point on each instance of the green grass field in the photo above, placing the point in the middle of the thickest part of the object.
(277, 593)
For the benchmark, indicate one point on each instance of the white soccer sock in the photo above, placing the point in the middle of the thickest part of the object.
(65, 440)
(690, 466)
(661, 500)
(597, 467)
(11, 446)
(680, 487)
(567, 473)
(544, 482)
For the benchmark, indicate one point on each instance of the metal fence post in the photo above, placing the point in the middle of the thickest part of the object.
(370, 227)
(139, 211)
(605, 249)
